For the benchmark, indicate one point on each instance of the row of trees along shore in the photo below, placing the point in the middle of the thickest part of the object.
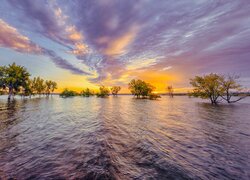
(140, 89)
(212, 86)
(16, 80)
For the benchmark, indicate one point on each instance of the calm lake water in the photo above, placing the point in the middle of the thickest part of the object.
(123, 138)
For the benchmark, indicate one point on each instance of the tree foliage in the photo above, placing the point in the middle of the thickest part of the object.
(87, 92)
(153, 96)
(103, 92)
(231, 86)
(50, 87)
(68, 93)
(214, 86)
(13, 77)
(16, 79)
(140, 88)
(115, 90)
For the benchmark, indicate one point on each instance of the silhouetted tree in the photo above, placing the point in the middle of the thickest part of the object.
(170, 91)
(103, 92)
(87, 92)
(153, 96)
(68, 93)
(115, 90)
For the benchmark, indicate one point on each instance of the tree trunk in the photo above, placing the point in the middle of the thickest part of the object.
(10, 93)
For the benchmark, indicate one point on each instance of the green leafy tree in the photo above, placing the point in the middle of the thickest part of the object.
(140, 88)
(115, 90)
(103, 92)
(39, 85)
(13, 77)
(208, 87)
(48, 86)
(53, 86)
(28, 89)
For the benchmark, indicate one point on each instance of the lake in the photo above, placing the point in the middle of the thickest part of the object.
(123, 138)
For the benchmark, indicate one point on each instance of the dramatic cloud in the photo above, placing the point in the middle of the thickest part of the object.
(48, 19)
(116, 39)
(11, 38)
(62, 63)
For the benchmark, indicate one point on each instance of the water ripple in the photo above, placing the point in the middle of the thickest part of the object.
(123, 138)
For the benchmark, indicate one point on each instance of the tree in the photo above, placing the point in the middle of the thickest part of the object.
(29, 88)
(87, 92)
(231, 86)
(140, 88)
(48, 86)
(13, 77)
(53, 86)
(170, 91)
(153, 96)
(39, 85)
(115, 90)
(68, 93)
(208, 87)
(2, 85)
(103, 92)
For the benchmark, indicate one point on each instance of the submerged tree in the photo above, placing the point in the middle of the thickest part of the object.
(140, 88)
(68, 93)
(213, 86)
(154, 96)
(39, 85)
(2, 85)
(170, 91)
(13, 77)
(50, 87)
(103, 92)
(53, 87)
(87, 92)
(231, 86)
(208, 87)
(115, 90)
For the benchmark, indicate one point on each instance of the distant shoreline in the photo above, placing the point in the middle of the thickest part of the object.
(162, 94)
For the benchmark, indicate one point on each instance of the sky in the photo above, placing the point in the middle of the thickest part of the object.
(87, 43)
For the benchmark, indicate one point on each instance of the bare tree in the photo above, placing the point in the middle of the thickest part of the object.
(170, 91)
(231, 87)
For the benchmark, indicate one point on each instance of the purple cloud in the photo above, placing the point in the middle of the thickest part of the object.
(11, 38)
(109, 35)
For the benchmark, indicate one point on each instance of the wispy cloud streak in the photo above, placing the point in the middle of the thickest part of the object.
(11, 38)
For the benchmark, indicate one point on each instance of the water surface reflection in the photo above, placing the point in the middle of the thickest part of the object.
(123, 138)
